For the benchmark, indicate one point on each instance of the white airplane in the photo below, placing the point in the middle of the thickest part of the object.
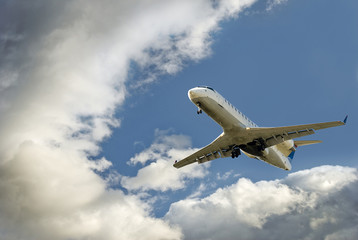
(273, 145)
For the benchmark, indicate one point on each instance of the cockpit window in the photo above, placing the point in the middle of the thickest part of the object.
(207, 88)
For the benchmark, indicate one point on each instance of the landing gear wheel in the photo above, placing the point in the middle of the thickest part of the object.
(235, 152)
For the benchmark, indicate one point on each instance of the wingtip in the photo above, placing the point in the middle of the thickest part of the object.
(175, 163)
(345, 119)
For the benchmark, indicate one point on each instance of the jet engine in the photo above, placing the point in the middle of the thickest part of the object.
(286, 147)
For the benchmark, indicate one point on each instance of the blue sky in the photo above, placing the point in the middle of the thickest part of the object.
(293, 65)
(94, 111)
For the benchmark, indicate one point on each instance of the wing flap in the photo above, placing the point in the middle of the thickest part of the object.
(219, 148)
(277, 135)
(279, 138)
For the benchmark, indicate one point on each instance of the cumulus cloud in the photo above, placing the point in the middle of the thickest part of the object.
(319, 203)
(160, 174)
(63, 72)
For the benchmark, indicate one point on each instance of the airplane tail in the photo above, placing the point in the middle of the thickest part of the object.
(301, 143)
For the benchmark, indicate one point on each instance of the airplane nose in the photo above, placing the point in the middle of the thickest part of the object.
(192, 94)
(195, 93)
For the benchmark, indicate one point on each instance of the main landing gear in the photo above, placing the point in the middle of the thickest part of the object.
(260, 144)
(235, 152)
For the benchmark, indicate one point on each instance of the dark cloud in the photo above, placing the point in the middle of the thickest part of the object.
(63, 72)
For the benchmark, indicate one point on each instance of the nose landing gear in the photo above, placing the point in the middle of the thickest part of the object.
(199, 111)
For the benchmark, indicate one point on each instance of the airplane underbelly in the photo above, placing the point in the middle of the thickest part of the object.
(274, 157)
(216, 111)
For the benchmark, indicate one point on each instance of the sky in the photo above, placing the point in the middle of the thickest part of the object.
(94, 112)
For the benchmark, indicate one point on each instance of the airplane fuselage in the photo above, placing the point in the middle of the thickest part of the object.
(235, 123)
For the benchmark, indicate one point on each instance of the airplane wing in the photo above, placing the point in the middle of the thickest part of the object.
(222, 146)
(276, 135)
(219, 148)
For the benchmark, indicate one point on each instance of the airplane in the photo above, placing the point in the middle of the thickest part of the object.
(273, 145)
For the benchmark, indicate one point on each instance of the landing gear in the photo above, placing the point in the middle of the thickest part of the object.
(199, 111)
(235, 152)
(260, 144)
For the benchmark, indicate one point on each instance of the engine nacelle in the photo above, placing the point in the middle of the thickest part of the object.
(286, 147)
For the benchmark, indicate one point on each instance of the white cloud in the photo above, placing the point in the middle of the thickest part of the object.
(160, 174)
(57, 196)
(271, 4)
(322, 179)
(63, 72)
(199, 191)
(318, 203)
(226, 175)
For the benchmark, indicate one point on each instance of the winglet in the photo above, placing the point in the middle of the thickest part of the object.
(345, 119)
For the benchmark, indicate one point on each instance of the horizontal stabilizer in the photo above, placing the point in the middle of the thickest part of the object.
(306, 142)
